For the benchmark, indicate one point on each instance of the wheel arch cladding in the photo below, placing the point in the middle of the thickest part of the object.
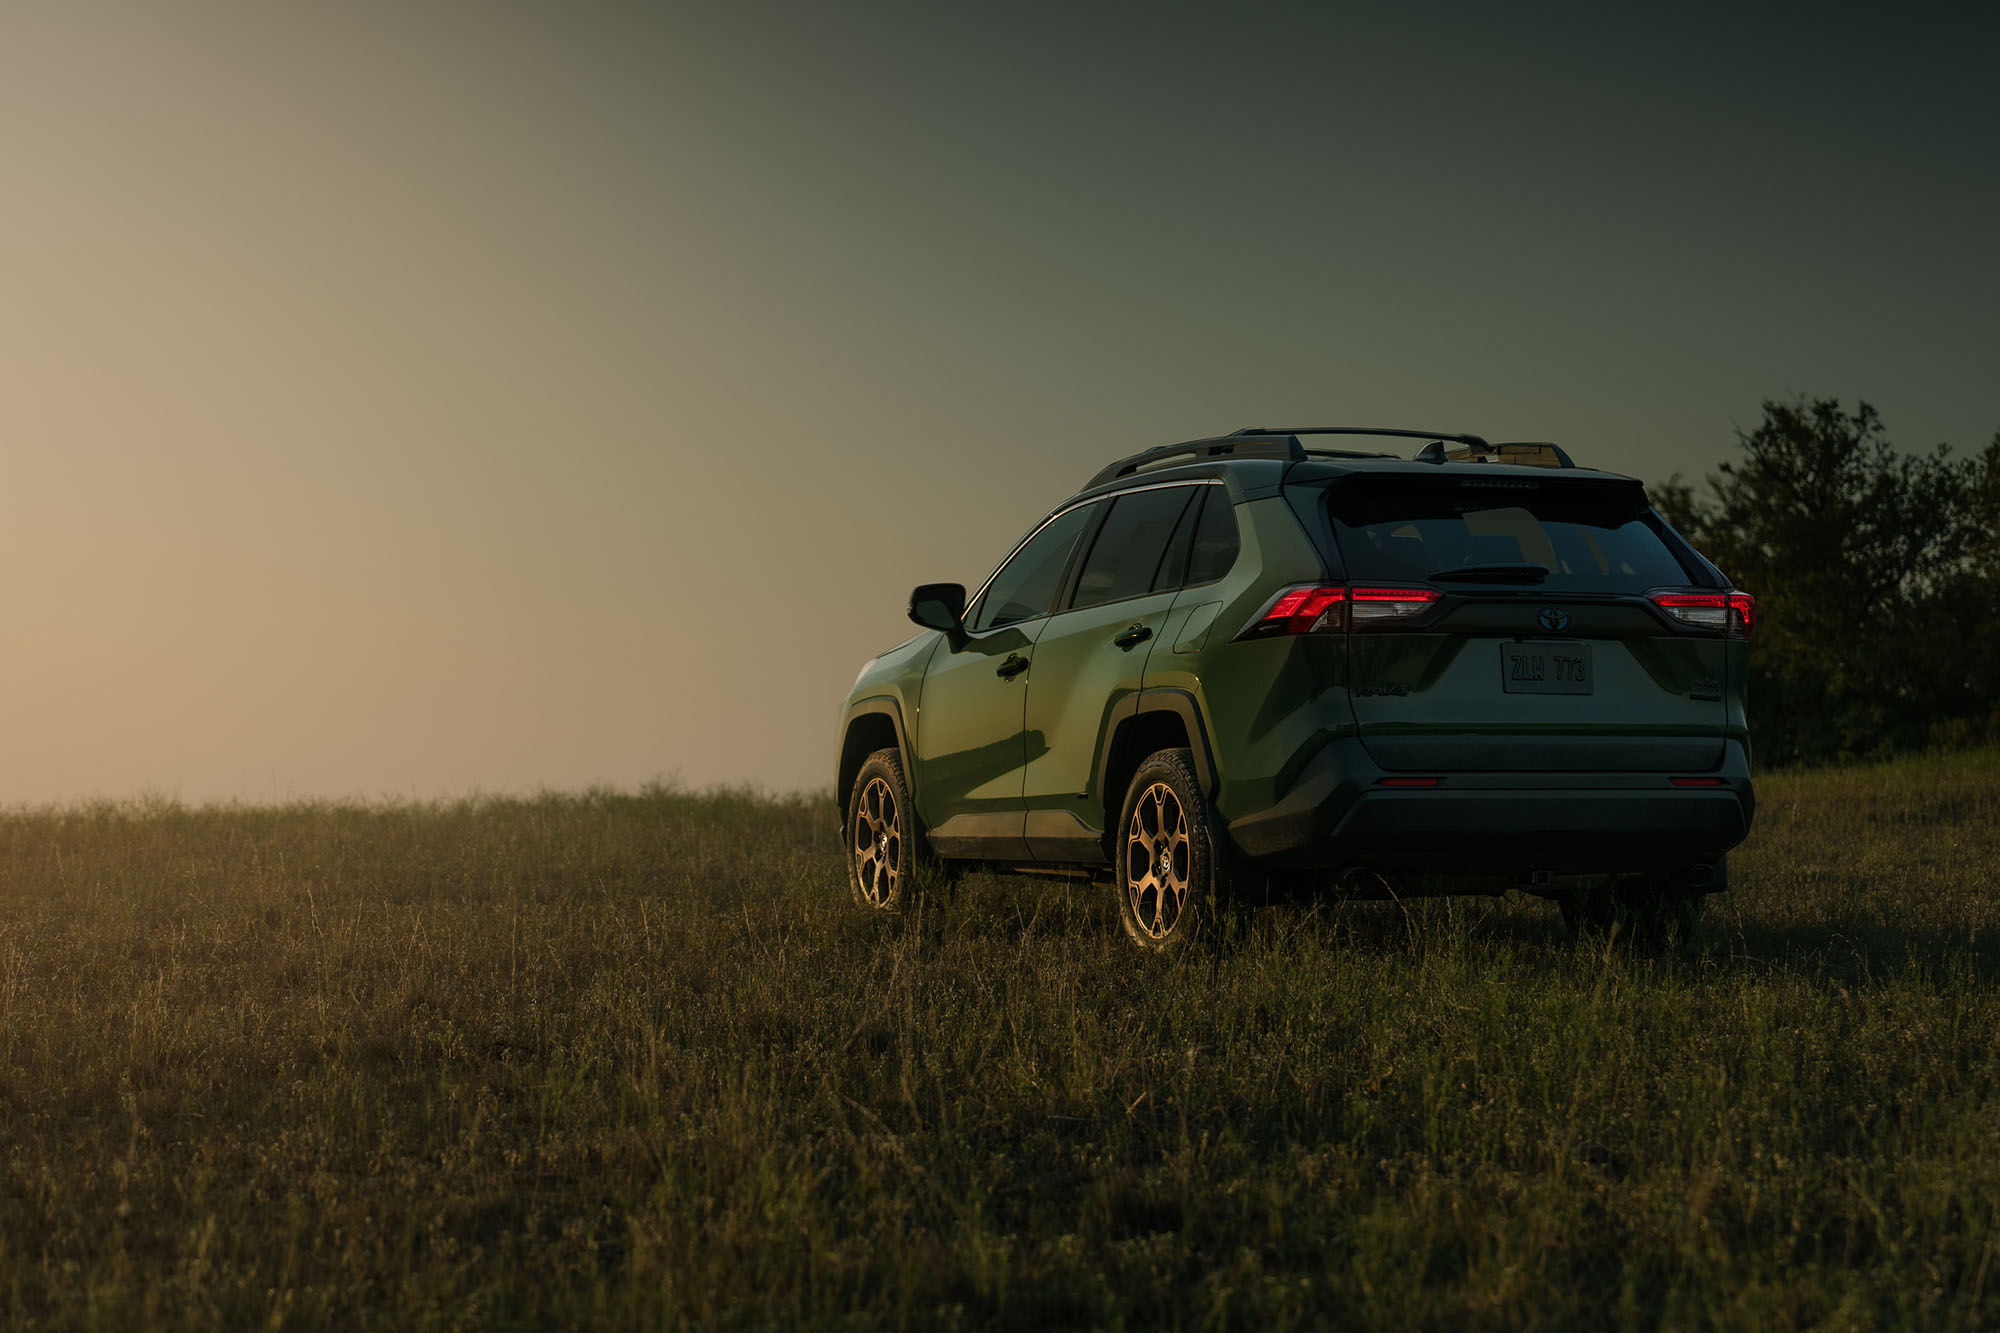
(872, 727)
(1134, 738)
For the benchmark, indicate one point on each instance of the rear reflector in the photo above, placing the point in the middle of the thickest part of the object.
(1696, 782)
(1414, 782)
(1731, 612)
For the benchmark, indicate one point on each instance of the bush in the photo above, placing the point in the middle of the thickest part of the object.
(1877, 578)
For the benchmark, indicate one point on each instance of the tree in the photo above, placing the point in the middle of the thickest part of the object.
(1877, 578)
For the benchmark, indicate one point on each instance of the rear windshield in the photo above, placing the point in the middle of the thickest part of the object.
(1392, 536)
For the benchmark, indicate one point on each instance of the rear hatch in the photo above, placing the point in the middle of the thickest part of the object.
(1506, 619)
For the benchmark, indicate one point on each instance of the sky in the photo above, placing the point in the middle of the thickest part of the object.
(411, 401)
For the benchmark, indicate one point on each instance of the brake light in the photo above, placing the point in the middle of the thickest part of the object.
(1731, 612)
(1696, 782)
(1302, 610)
(1409, 782)
(1331, 607)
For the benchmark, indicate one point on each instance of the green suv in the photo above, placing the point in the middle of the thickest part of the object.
(1244, 659)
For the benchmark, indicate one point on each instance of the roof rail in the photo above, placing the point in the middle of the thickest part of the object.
(1397, 431)
(1239, 445)
(1262, 442)
(1527, 453)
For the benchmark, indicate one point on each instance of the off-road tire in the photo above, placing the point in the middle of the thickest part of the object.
(884, 844)
(1648, 912)
(1170, 860)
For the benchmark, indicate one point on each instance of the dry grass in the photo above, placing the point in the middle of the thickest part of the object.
(634, 1060)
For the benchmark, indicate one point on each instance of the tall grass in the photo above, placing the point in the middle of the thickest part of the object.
(635, 1059)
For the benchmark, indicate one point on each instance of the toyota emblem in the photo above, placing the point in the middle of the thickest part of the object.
(1553, 617)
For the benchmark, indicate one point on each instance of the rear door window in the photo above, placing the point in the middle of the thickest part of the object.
(1126, 556)
(1428, 535)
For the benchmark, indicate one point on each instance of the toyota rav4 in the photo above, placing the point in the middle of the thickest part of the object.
(1243, 659)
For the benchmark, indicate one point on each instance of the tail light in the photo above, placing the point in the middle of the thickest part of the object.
(1302, 610)
(1731, 612)
(1372, 606)
(1329, 608)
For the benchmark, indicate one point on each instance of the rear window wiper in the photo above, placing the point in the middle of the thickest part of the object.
(1526, 572)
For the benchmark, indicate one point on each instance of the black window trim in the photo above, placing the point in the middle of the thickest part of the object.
(1209, 583)
(1062, 581)
(1190, 518)
(1089, 533)
(1074, 574)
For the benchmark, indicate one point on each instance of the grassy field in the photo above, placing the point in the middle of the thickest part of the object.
(634, 1060)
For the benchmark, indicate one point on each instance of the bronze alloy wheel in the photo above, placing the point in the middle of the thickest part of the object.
(1158, 861)
(877, 845)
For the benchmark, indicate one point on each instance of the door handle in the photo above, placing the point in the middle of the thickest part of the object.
(1012, 667)
(1133, 637)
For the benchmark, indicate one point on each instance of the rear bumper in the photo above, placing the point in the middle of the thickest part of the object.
(1338, 815)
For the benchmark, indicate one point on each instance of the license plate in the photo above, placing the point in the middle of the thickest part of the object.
(1545, 668)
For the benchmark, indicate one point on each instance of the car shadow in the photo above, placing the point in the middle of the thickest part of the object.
(1848, 951)
(1838, 951)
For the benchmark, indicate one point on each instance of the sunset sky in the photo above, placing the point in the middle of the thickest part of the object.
(419, 399)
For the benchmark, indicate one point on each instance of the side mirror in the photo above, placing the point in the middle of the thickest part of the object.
(941, 606)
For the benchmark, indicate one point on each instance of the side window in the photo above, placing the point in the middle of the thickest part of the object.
(1026, 584)
(1127, 551)
(1215, 542)
(1173, 565)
